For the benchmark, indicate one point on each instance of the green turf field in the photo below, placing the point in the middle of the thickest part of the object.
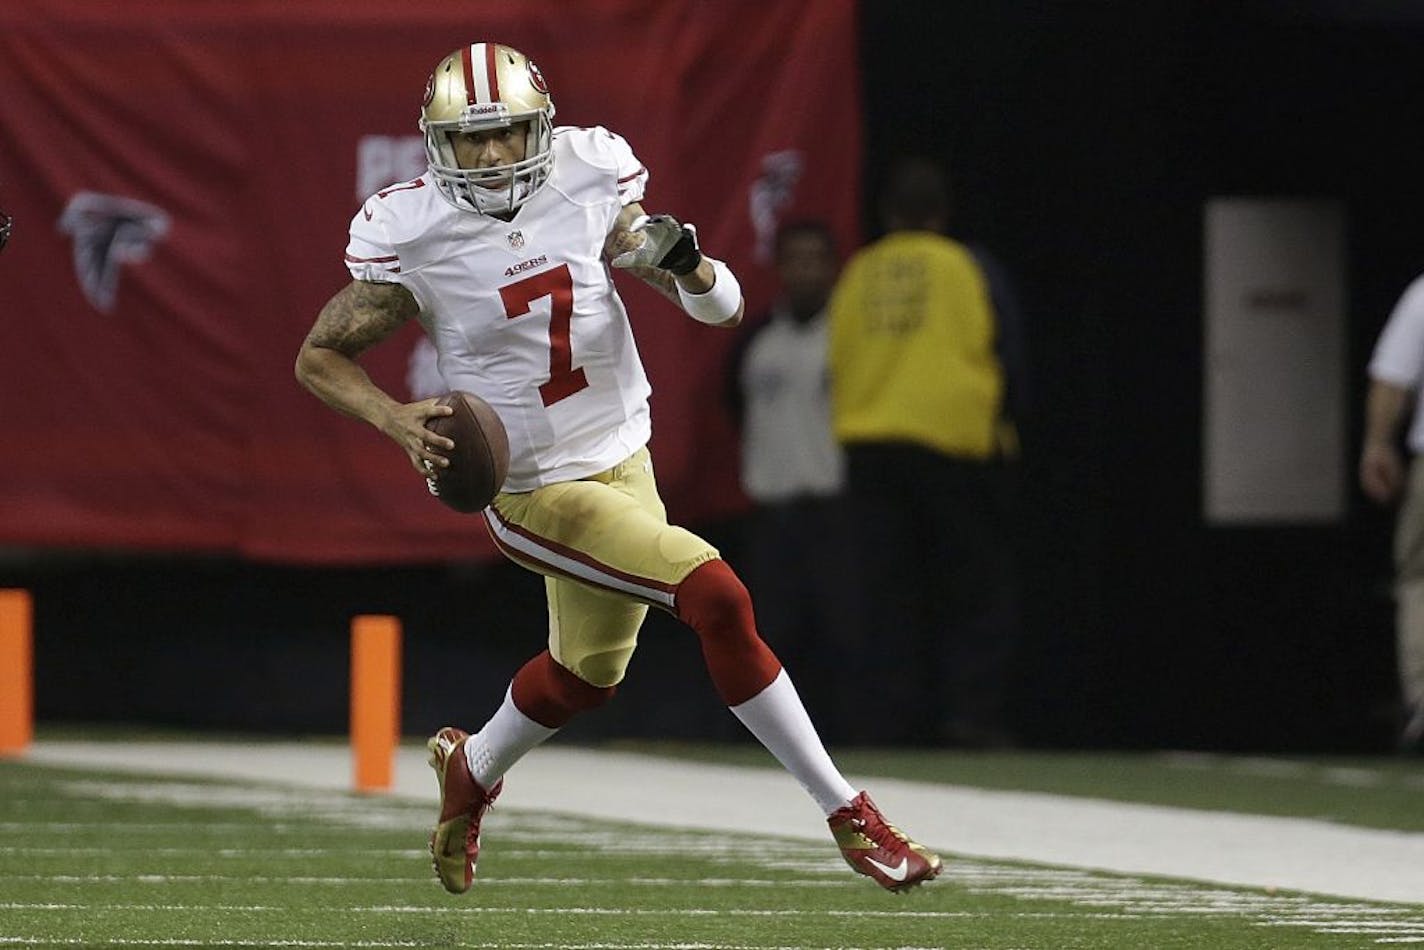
(1376, 792)
(134, 861)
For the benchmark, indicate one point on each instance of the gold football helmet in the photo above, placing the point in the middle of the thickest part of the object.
(487, 86)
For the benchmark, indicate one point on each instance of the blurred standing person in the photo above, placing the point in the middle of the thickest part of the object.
(1396, 370)
(925, 356)
(797, 545)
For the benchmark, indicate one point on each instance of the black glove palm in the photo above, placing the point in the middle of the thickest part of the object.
(667, 245)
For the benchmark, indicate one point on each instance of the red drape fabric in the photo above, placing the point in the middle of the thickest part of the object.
(182, 174)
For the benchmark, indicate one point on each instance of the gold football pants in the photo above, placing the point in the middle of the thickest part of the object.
(606, 551)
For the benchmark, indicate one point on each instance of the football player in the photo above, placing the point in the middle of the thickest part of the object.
(502, 251)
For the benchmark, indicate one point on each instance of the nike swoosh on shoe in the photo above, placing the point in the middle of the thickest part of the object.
(896, 873)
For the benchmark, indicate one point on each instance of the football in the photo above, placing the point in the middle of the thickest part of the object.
(480, 459)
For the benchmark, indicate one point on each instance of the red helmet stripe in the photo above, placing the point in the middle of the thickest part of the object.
(493, 71)
(465, 61)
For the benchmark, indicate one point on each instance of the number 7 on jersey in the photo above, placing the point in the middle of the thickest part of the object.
(558, 286)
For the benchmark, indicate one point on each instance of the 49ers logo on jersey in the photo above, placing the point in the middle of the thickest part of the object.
(523, 266)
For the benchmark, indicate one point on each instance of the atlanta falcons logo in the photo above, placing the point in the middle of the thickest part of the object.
(109, 231)
(769, 194)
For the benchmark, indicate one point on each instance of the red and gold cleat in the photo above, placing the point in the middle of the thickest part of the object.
(879, 850)
(455, 842)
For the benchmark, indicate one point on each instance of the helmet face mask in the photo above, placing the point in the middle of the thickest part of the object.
(478, 88)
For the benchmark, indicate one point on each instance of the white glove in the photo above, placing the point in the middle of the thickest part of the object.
(667, 245)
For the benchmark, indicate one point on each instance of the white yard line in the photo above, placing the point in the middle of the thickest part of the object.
(1229, 848)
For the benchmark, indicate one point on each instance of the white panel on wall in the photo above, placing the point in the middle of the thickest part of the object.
(1274, 368)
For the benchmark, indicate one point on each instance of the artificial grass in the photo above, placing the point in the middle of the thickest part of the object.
(125, 861)
(1384, 792)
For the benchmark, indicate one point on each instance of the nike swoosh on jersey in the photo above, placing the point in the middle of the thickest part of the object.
(896, 873)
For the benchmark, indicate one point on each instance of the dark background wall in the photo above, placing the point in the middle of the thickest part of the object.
(1083, 140)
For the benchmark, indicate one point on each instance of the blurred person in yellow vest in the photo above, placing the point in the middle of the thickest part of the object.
(926, 361)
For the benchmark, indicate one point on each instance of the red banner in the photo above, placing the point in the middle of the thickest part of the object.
(182, 175)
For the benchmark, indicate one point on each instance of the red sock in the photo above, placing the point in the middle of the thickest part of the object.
(550, 695)
(713, 602)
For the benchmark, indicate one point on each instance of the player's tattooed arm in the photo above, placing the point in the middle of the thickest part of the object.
(621, 239)
(358, 317)
(659, 280)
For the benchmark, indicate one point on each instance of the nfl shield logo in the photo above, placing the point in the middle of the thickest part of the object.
(516, 239)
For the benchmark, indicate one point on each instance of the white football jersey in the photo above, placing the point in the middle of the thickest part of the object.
(523, 313)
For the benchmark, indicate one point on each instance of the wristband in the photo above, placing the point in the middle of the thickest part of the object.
(718, 304)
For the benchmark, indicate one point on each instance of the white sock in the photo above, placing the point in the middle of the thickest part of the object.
(503, 741)
(779, 721)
